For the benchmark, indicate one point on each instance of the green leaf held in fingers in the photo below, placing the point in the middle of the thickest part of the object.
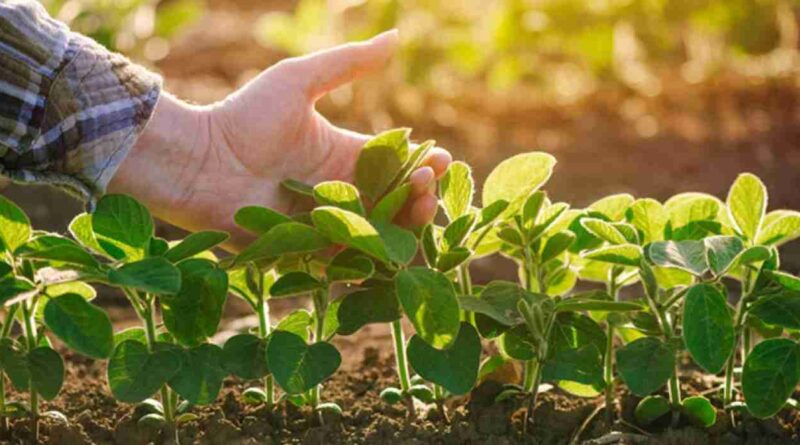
(380, 161)
(456, 189)
(350, 229)
(339, 194)
(122, 226)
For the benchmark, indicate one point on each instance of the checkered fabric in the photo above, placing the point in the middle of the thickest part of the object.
(70, 110)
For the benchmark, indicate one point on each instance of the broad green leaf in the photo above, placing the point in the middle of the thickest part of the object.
(628, 231)
(200, 376)
(194, 244)
(193, 314)
(700, 410)
(349, 266)
(400, 244)
(376, 304)
(770, 375)
(13, 361)
(430, 249)
(291, 237)
(457, 231)
(456, 189)
(581, 365)
(455, 368)
(298, 187)
(786, 280)
(298, 322)
(490, 213)
(573, 330)
(259, 220)
(556, 245)
(157, 246)
(350, 229)
(429, 301)
(603, 230)
(155, 275)
(707, 327)
(613, 207)
(417, 156)
(721, 251)
(83, 326)
(453, 258)
(585, 240)
(298, 367)
(498, 300)
(134, 334)
(58, 251)
(781, 309)
(244, 356)
(516, 177)
(781, 230)
(580, 304)
(685, 255)
(15, 227)
(533, 206)
(669, 278)
(135, 374)
(645, 365)
(380, 161)
(650, 409)
(688, 207)
(339, 194)
(46, 369)
(294, 283)
(81, 229)
(747, 204)
(623, 254)
(518, 343)
(122, 226)
(649, 216)
(390, 205)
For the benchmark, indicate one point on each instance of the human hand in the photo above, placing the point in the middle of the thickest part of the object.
(195, 166)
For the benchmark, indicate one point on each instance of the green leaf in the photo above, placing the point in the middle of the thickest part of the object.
(685, 208)
(46, 370)
(457, 231)
(400, 244)
(58, 251)
(429, 301)
(294, 283)
(518, 343)
(376, 304)
(193, 314)
(603, 230)
(580, 304)
(781, 230)
(613, 207)
(15, 227)
(390, 205)
(455, 368)
(83, 326)
(781, 309)
(154, 275)
(298, 187)
(556, 245)
(283, 239)
(339, 194)
(135, 374)
(298, 322)
(298, 367)
(350, 229)
(195, 243)
(700, 410)
(349, 266)
(650, 409)
(456, 189)
(686, 255)
(517, 176)
(134, 334)
(707, 327)
(786, 280)
(122, 226)
(453, 258)
(200, 376)
(721, 251)
(623, 254)
(770, 375)
(380, 161)
(81, 229)
(491, 212)
(581, 365)
(747, 204)
(645, 365)
(533, 206)
(430, 249)
(259, 220)
(650, 217)
(244, 356)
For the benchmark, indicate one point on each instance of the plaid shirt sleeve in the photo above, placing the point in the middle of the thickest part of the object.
(70, 110)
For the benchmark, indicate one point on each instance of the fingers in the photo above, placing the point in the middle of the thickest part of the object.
(421, 181)
(439, 160)
(331, 68)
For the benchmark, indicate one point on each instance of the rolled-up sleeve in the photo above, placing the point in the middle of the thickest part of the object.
(70, 110)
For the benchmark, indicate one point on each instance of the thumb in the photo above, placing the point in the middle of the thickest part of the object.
(328, 69)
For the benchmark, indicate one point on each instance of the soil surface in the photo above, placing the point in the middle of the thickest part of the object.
(96, 418)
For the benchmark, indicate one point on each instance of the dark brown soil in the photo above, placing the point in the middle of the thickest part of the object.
(96, 418)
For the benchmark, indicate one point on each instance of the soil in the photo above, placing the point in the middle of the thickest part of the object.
(96, 418)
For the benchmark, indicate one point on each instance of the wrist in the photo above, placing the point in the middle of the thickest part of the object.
(158, 169)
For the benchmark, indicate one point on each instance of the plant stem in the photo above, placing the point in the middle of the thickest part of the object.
(8, 322)
(438, 395)
(402, 366)
(263, 331)
(738, 326)
(608, 359)
(536, 372)
(32, 341)
(320, 298)
(167, 401)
